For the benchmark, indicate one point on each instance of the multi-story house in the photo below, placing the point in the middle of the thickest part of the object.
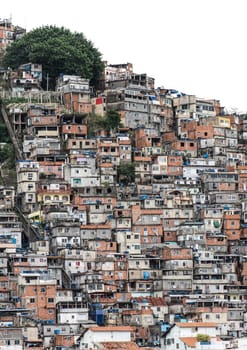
(7, 197)
(220, 181)
(128, 241)
(147, 140)
(28, 263)
(123, 220)
(12, 338)
(27, 182)
(200, 308)
(81, 172)
(77, 260)
(209, 276)
(55, 191)
(135, 100)
(72, 312)
(9, 32)
(147, 222)
(188, 148)
(65, 235)
(195, 167)
(73, 129)
(81, 146)
(231, 225)
(11, 229)
(117, 72)
(187, 336)
(96, 201)
(191, 234)
(158, 306)
(43, 121)
(42, 149)
(140, 276)
(51, 168)
(125, 147)
(38, 293)
(108, 148)
(177, 268)
(243, 271)
(107, 171)
(143, 169)
(76, 93)
(95, 233)
(115, 335)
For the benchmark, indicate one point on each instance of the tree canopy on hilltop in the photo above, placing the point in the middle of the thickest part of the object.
(59, 51)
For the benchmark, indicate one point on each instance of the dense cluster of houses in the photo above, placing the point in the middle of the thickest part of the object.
(92, 260)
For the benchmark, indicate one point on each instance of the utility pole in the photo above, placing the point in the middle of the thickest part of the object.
(47, 81)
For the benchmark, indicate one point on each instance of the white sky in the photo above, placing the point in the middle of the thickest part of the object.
(195, 46)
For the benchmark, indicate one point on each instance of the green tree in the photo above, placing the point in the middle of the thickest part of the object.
(4, 136)
(94, 123)
(203, 337)
(112, 120)
(126, 172)
(7, 153)
(59, 51)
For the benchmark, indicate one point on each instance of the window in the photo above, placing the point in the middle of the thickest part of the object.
(76, 181)
(50, 300)
(43, 289)
(32, 300)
